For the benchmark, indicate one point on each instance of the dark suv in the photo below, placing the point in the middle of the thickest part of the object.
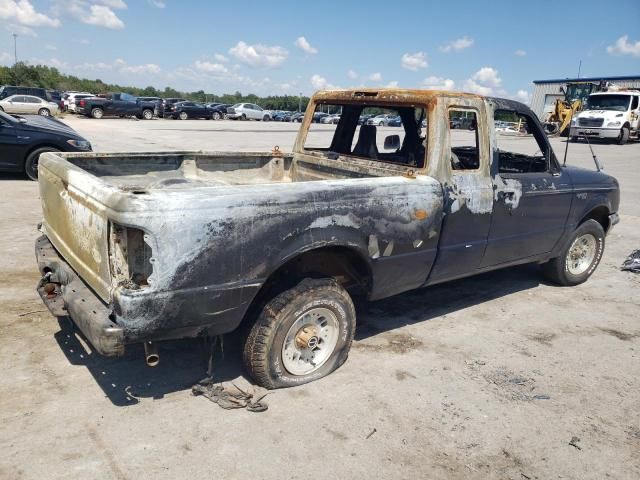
(8, 90)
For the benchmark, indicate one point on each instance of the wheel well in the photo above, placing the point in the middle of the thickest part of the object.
(33, 149)
(344, 264)
(600, 215)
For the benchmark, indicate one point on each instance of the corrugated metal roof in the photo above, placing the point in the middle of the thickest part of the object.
(588, 79)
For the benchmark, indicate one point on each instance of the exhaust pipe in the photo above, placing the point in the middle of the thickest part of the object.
(151, 355)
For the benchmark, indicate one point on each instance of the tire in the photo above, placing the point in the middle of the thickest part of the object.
(266, 118)
(624, 136)
(1, 109)
(243, 117)
(215, 116)
(97, 113)
(183, 115)
(147, 114)
(44, 112)
(31, 162)
(283, 318)
(561, 269)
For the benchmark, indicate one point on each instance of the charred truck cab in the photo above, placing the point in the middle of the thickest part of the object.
(147, 247)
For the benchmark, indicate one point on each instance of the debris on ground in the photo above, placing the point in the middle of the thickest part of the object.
(632, 262)
(371, 433)
(574, 443)
(231, 397)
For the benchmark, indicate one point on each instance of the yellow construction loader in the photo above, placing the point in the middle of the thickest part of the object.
(558, 120)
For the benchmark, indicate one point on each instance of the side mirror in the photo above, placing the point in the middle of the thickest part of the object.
(392, 142)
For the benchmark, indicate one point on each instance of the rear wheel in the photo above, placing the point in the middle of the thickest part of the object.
(183, 115)
(31, 162)
(243, 117)
(266, 118)
(97, 113)
(44, 112)
(624, 135)
(301, 335)
(579, 258)
(215, 116)
(147, 114)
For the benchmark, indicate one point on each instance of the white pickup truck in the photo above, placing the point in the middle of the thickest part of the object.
(609, 115)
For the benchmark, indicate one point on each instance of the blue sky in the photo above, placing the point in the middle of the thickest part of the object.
(275, 47)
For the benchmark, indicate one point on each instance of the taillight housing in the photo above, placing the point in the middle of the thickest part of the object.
(130, 257)
(81, 103)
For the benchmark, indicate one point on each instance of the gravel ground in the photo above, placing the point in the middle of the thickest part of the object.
(497, 376)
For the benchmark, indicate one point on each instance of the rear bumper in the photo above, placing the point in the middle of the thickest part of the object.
(75, 299)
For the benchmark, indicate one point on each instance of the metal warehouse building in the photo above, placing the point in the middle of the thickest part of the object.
(545, 92)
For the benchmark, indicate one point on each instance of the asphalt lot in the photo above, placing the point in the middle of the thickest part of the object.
(487, 377)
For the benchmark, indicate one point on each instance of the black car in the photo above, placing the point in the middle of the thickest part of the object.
(186, 110)
(218, 110)
(24, 138)
(395, 122)
(8, 90)
(167, 102)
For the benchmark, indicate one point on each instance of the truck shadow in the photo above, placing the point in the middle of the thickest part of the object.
(127, 380)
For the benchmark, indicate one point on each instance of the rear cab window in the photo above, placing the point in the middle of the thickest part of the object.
(349, 130)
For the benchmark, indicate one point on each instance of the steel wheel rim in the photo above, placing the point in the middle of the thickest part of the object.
(148, 115)
(310, 341)
(183, 116)
(44, 112)
(581, 254)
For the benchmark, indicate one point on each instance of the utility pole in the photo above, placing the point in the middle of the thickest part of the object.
(15, 47)
(579, 68)
(300, 102)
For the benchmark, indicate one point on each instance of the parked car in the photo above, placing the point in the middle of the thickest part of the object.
(276, 245)
(335, 118)
(167, 102)
(296, 117)
(157, 101)
(23, 139)
(116, 104)
(395, 122)
(218, 110)
(28, 105)
(73, 98)
(186, 110)
(363, 119)
(318, 116)
(247, 111)
(9, 90)
(380, 120)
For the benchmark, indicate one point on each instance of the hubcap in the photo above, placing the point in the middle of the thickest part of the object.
(310, 341)
(581, 254)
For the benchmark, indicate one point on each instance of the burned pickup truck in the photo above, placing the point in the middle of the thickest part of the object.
(148, 247)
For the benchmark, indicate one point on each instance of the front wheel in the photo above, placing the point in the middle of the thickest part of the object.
(31, 162)
(147, 114)
(301, 335)
(44, 112)
(215, 116)
(579, 258)
(624, 136)
(266, 118)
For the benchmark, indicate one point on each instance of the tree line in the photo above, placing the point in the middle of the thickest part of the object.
(51, 78)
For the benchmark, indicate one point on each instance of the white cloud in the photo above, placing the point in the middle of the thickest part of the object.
(259, 55)
(98, 15)
(522, 96)
(209, 67)
(375, 77)
(51, 47)
(321, 83)
(147, 68)
(520, 53)
(22, 12)
(303, 44)
(115, 4)
(21, 30)
(221, 58)
(457, 45)
(392, 84)
(157, 3)
(624, 47)
(438, 83)
(484, 82)
(352, 75)
(84, 41)
(5, 58)
(118, 65)
(414, 61)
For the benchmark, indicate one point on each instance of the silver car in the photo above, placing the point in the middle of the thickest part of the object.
(247, 111)
(28, 105)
